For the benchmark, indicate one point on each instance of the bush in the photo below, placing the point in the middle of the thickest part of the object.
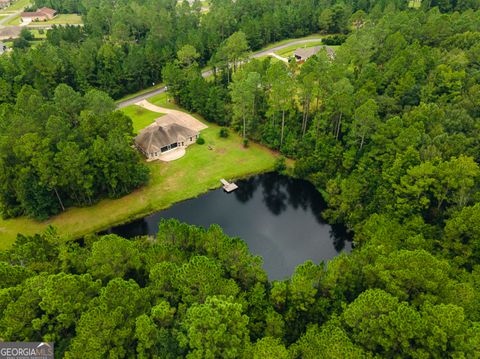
(245, 142)
(223, 132)
(333, 40)
(200, 140)
(280, 164)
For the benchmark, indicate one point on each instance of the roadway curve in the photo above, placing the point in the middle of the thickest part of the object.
(207, 73)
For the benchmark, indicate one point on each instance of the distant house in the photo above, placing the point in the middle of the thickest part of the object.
(158, 139)
(304, 53)
(42, 14)
(9, 32)
(5, 3)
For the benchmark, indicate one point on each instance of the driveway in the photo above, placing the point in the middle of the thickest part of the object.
(173, 116)
(278, 57)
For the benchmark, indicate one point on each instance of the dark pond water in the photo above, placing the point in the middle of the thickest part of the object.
(277, 216)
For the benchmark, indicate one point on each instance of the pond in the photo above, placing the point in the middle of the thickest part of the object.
(279, 218)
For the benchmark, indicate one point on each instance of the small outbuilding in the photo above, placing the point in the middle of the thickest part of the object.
(304, 53)
(156, 139)
(42, 14)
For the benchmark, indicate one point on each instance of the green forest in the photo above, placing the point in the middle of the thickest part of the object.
(387, 130)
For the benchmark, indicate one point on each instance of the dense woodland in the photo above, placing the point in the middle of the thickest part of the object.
(70, 150)
(388, 130)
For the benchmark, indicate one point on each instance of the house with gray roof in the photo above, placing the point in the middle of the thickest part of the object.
(304, 53)
(157, 139)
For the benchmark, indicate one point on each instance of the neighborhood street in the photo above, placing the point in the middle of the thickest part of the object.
(262, 53)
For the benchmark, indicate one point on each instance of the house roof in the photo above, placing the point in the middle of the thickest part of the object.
(32, 14)
(47, 11)
(44, 11)
(154, 137)
(306, 52)
(9, 32)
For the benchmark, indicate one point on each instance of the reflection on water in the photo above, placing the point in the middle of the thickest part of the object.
(277, 216)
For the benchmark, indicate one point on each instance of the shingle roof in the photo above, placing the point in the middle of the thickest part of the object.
(44, 11)
(47, 10)
(154, 137)
(9, 32)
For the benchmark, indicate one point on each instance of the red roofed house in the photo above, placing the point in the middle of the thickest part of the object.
(42, 14)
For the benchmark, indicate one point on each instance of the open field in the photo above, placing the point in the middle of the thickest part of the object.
(142, 116)
(197, 172)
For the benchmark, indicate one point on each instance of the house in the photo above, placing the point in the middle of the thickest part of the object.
(304, 53)
(42, 14)
(5, 3)
(9, 32)
(157, 139)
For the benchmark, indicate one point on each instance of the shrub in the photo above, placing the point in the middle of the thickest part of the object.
(280, 164)
(245, 142)
(200, 140)
(223, 132)
(336, 39)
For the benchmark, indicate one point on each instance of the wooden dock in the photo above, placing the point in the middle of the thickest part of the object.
(228, 187)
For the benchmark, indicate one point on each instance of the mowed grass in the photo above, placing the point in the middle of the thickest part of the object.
(18, 5)
(197, 172)
(286, 41)
(141, 92)
(14, 21)
(37, 35)
(415, 4)
(164, 100)
(142, 116)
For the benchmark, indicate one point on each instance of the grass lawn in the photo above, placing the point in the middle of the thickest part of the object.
(162, 100)
(288, 51)
(141, 117)
(63, 19)
(141, 92)
(197, 172)
(18, 5)
(415, 4)
(37, 35)
(278, 43)
(14, 21)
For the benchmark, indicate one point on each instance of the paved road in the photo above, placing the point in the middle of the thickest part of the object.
(210, 72)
